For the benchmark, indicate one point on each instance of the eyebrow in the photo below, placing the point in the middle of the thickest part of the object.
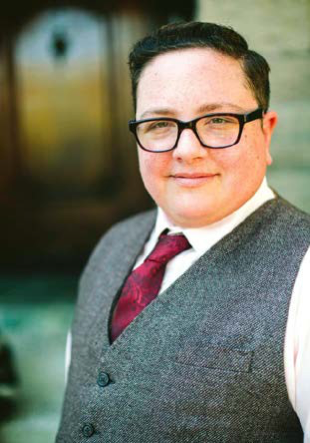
(221, 107)
(156, 111)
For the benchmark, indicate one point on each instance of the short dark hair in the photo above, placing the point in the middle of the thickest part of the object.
(202, 35)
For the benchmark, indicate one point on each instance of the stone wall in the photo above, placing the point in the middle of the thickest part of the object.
(280, 31)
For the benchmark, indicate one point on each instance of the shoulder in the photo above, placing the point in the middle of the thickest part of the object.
(286, 229)
(123, 232)
(292, 219)
(129, 227)
(132, 224)
(275, 229)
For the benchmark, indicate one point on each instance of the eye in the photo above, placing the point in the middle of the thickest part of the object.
(162, 124)
(222, 120)
(218, 120)
(157, 127)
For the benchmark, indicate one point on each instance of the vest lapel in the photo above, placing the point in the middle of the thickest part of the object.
(111, 275)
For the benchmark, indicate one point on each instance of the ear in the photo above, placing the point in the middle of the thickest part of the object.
(270, 120)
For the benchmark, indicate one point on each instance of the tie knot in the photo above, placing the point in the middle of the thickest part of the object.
(168, 246)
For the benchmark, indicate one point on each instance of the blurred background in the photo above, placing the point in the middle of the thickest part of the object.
(68, 166)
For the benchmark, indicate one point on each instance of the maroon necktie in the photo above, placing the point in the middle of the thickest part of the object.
(143, 284)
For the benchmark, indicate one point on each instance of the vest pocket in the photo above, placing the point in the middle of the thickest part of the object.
(213, 357)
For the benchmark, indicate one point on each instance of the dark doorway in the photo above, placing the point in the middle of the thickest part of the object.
(68, 165)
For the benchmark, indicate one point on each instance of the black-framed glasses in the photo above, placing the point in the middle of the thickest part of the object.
(215, 131)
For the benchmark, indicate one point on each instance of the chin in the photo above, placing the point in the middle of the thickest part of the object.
(191, 218)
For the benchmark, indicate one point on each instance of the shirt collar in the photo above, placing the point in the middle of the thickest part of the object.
(201, 239)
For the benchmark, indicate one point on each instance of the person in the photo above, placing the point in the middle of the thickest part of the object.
(192, 319)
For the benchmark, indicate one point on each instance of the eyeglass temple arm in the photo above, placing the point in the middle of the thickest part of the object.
(254, 115)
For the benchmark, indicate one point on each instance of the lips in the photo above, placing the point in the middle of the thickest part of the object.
(194, 179)
(193, 175)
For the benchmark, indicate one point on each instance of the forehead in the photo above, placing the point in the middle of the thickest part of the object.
(186, 77)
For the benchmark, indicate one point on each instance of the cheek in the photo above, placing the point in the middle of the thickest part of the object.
(153, 168)
(248, 153)
(147, 166)
(227, 160)
(241, 166)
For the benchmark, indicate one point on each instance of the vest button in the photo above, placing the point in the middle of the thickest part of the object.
(103, 379)
(88, 430)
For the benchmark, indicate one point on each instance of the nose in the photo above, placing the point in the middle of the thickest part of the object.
(189, 147)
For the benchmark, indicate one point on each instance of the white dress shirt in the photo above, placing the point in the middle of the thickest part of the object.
(297, 338)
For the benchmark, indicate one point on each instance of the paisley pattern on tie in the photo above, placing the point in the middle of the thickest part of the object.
(144, 283)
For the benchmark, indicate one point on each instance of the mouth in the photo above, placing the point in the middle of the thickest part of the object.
(192, 180)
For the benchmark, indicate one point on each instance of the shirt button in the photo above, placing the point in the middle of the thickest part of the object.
(103, 379)
(88, 430)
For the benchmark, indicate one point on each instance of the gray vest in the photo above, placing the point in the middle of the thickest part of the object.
(204, 361)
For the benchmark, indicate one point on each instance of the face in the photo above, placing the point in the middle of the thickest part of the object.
(196, 186)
